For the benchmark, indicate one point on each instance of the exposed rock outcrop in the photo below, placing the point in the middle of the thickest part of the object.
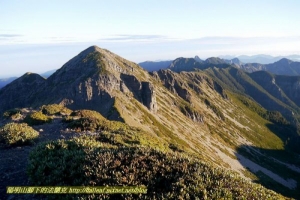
(144, 92)
(149, 96)
(171, 81)
(192, 114)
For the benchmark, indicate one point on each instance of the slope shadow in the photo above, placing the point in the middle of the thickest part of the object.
(278, 170)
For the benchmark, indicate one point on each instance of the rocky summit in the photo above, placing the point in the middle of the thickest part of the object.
(199, 129)
(90, 80)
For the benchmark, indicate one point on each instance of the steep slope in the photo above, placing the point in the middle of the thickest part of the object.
(260, 86)
(291, 87)
(269, 82)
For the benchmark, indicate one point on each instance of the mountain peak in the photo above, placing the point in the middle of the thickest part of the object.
(198, 59)
(214, 60)
(30, 77)
(284, 61)
(93, 79)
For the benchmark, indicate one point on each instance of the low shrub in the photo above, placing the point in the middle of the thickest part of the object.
(37, 118)
(85, 124)
(55, 109)
(88, 120)
(17, 134)
(87, 114)
(13, 114)
(165, 175)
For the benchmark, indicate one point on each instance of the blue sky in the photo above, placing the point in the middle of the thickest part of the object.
(38, 36)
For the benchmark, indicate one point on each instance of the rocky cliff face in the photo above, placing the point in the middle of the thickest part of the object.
(91, 80)
(143, 91)
(173, 82)
(149, 96)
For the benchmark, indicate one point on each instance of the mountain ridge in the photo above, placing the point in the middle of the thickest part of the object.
(215, 112)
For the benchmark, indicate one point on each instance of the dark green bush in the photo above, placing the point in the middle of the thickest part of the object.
(17, 134)
(55, 109)
(37, 118)
(165, 175)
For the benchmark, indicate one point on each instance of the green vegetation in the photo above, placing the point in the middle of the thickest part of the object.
(189, 111)
(272, 116)
(13, 114)
(17, 134)
(165, 175)
(161, 130)
(37, 118)
(215, 109)
(88, 120)
(96, 57)
(110, 132)
(55, 109)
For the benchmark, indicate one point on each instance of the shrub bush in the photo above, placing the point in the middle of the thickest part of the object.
(87, 114)
(85, 124)
(55, 109)
(17, 134)
(13, 114)
(37, 118)
(165, 175)
(88, 120)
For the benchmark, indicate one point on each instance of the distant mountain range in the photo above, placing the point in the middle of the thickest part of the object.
(261, 58)
(151, 66)
(283, 66)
